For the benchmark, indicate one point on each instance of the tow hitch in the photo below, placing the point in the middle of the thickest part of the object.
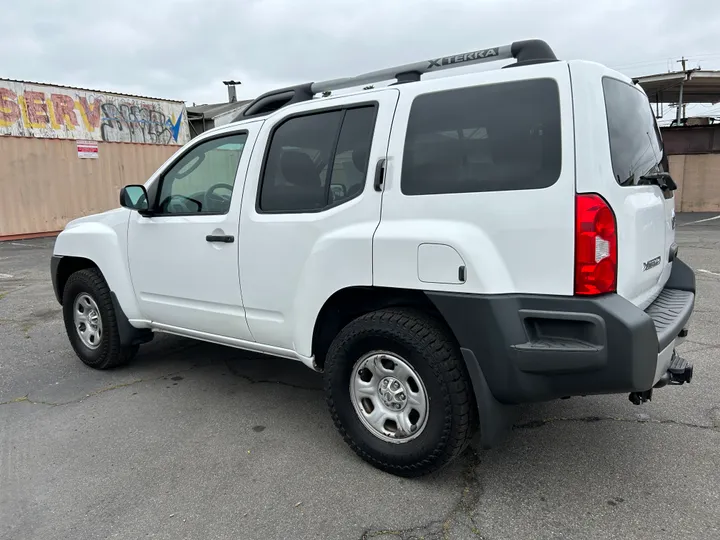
(680, 371)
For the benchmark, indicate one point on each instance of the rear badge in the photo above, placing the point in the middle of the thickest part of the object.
(652, 263)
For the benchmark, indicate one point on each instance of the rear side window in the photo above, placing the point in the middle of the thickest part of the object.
(635, 145)
(485, 138)
(317, 161)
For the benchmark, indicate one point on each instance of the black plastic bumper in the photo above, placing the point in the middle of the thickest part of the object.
(54, 264)
(535, 348)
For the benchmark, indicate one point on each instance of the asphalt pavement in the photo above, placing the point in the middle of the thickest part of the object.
(200, 441)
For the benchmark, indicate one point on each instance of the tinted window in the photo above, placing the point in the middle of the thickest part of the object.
(202, 181)
(635, 144)
(351, 158)
(485, 138)
(318, 160)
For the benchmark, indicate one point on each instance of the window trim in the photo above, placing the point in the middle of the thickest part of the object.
(557, 85)
(157, 185)
(343, 108)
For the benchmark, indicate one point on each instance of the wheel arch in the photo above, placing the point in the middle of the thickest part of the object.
(96, 245)
(63, 268)
(494, 418)
(349, 303)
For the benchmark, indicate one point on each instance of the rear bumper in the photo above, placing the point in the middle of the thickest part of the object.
(535, 348)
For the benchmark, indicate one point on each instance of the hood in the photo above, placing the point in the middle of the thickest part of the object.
(111, 217)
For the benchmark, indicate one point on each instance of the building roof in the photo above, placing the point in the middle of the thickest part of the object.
(213, 110)
(698, 86)
(89, 90)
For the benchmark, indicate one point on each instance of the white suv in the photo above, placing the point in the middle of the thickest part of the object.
(439, 248)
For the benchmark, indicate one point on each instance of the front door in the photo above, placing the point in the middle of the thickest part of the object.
(184, 258)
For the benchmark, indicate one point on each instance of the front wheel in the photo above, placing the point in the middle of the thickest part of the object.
(398, 391)
(90, 321)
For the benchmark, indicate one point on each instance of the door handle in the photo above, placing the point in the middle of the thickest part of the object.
(379, 174)
(224, 238)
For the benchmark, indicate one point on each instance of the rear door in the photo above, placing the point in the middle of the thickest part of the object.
(309, 212)
(645, 213)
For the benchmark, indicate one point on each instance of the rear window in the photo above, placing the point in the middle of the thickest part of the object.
(635, 144)
(485, 138)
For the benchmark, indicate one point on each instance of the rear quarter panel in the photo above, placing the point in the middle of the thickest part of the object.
(641, 223)
(511, 241)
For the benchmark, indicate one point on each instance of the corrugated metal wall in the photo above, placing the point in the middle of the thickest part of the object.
(691, 140)
(43, 183)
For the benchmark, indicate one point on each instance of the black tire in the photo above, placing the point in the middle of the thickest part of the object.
(110, 353)
(428, 346)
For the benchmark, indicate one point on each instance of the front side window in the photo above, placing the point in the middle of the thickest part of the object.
(636, 148)
(202, 181)
(493, 137)
(317, 161)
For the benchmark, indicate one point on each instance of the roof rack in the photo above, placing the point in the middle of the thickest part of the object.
(532, 51)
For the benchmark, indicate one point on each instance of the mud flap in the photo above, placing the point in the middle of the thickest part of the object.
(495, 418)
(129, 335)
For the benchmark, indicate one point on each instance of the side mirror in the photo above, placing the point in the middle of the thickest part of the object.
(134, 197)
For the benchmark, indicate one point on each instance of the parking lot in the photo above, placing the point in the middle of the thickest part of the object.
(199, 441)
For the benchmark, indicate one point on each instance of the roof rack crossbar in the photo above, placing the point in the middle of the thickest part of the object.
(531, 51)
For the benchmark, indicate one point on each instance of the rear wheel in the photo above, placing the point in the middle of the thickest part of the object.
(90, 321)
(398, 391)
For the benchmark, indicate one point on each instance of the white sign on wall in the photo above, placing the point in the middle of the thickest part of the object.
(87, 149)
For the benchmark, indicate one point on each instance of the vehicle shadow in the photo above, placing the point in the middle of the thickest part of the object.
(167, 353)
(540, 473)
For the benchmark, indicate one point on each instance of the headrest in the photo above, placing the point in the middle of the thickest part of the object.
(298, 168)
(360, 159)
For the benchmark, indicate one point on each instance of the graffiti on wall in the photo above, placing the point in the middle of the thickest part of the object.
(31, 110)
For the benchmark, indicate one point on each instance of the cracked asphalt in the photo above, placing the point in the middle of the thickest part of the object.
(199, 441)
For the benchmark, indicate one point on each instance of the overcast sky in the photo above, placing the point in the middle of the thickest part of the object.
(184, 49)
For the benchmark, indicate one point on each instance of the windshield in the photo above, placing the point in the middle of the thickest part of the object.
(636, 147)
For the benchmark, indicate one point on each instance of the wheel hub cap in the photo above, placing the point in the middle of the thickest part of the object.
(389, 397)
(88, 323)
(392, 393)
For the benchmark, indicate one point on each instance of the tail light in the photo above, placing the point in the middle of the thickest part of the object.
(595, 246)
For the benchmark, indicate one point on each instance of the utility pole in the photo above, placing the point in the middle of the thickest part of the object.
(684, 106)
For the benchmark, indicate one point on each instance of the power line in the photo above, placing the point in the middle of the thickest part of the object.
(691, 57)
